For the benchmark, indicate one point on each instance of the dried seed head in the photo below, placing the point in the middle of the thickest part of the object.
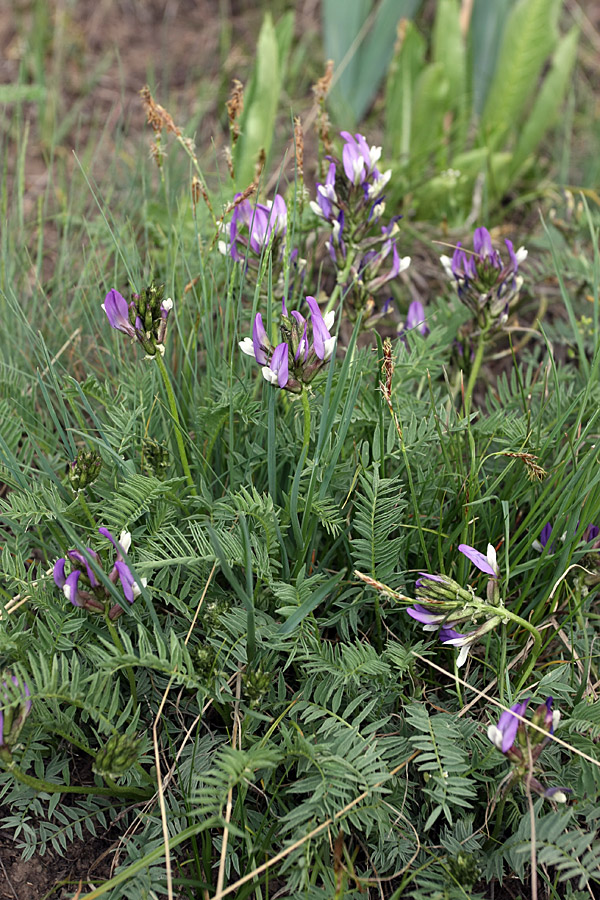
(157, 116)
(299, 145)
(321, 88)
(235, 107)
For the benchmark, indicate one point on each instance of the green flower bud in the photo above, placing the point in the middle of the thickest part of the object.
(257, 683)
(84, 469)
(155, 458)
(117, 756)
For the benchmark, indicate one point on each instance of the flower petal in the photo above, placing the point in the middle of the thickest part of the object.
(478, 559)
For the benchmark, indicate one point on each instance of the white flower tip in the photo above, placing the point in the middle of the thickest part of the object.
(67, 591)
(167, 305)
(521, 254)
(316, 209)
(329, 319)
(329, 346)
(104, 307)
(125, 540)
(462, 656)
(223, 248)
(491, 558)
(269, 375)
(555, 718)
(559, 797)
(247, 346)
(495, 736)
(404, 263)
(446, 261)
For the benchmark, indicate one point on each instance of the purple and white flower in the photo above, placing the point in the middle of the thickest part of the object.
(143, 319)
(83, 588)
(485, 283)
(504, 734)
(253, 227)
(307, 344)
(487, 563)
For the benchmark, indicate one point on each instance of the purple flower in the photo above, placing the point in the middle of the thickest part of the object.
(117, 309)
(486, 564)
(253, 226)
(456, 639)
(82, 588)
(297, 359)
(326, 196)
(504, 734)
(144, 318)
(484, 282)
(359, 162)
(323, 342)
(545, 534)
(277, 372)
(415, 318)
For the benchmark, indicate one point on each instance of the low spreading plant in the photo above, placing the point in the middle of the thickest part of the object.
(240, 667)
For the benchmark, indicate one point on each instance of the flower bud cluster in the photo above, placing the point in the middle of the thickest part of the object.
(484, 283)
(117, 756)
(15, 706)
(307, 344)
(82, 587)
(84, 469)
(144, 318)
(351, 202)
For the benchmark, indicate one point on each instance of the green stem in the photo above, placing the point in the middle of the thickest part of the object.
(306, 410)
(38, 784)
(502, 666)
(84, 505)
(175, 414)
(119, 645)
(475, 369)
(537, 639)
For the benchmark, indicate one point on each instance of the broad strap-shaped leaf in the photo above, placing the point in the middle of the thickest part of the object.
(529, 38)
(547, 103)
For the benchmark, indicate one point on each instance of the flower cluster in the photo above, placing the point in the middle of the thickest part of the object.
(307, 344)
(253, 227)
(484, 283)
(443, 604)
(82, 587)
(117, 756)
(351, 201)
(14, 709)
(523, 748)
(144, 318)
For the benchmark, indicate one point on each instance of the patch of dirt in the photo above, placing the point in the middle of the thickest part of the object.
(34, 879)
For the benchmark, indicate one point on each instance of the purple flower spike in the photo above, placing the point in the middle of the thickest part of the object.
(485, 564)
(277, 372)
(504, 734)
(59, 573)
(70, 588)
(117, 309)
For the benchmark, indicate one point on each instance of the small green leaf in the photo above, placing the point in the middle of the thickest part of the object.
(313, 601)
